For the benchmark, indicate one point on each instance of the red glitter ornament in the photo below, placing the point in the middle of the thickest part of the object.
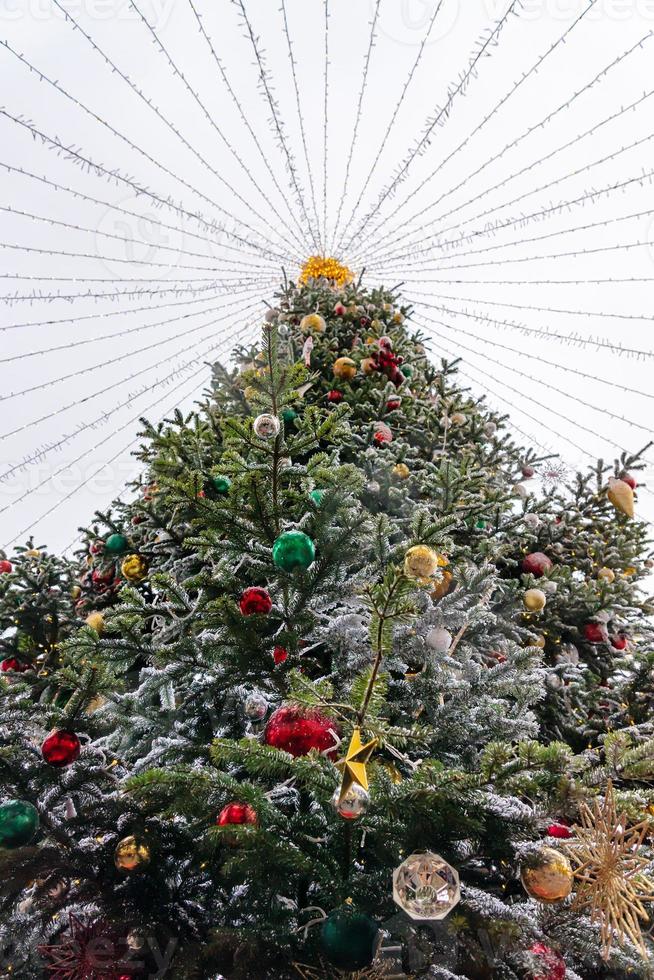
(393, 404)
(298, 730)
(235, 813)
(382, 433)
(12, 663)
(545, 963)
(334, 396)
(560, 830)
(255, 602)
(595, 633)
(619, 642)
(280, 654)
(5, 567)
(61, 748)
(102, 576)
(537, 564)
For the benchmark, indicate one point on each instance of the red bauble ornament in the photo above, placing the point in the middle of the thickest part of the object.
(393, 404)
(382, 433)
(619, 642)
(235, 813)
(102, 576)
(628, 479)
(12, 663)
(255, 602)
(546, 963)
(96, 547)
(528, 472)
(61, 748)
(5, 567)
(335, 396)
(280, 654)
(595, 633)
(537, 564)
(340, 310)
(560, 830)
(298, 730)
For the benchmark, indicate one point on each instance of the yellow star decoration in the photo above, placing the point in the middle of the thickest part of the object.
(610, 872)
(354, 763)
(319, 267)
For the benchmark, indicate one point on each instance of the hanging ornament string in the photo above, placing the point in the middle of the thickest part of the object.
(324, 127)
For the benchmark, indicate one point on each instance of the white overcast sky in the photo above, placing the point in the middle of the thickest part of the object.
(527, 133)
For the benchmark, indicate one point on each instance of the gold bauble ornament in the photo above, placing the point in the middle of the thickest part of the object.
(313, 323)
(131, 854)
(621, 496)
(96, 621)
(539, 642)
(398, 318)
(421, 563)
(547, 875)
(344, 368)
(628, 572)
(534, 600)
(458, 418)
(606, 575)
(368, 365)
(134, 568)
(401, 471)
(443, 587)
(75, 592)
(33, 553)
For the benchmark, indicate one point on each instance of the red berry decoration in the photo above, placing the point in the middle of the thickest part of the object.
(235, 813)
(619, 642)
(595, 633)
(15, 665)
(537, 564)
(298, 730)
(382, 433)
(61, 748)
(560, 830)
(334, 396)
(545, 963)
(280, 654)
(255, 602)
(5, 567)
(628, 479)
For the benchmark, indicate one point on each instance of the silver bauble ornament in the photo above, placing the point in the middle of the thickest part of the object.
(353, 804)
(490, 429)
(270, 316)
(426, 887)
(439, 639)
(532, 521)
(266, 426)
(255, 706)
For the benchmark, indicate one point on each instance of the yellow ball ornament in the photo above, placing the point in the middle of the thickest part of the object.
(401, 471)
(33, 553)
(344, 368)
(368, 365)
(96, 621)
(606, 575)
(534, 600)
(75, 592)
(313, 323)
(547, 875)
(134, 568)
(398, 318)
(131, 854)
(443, 587)
(421, 563)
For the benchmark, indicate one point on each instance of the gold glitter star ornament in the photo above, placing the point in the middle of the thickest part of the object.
(610, 872)
(355, 762)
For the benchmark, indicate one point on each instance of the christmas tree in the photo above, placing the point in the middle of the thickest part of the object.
(342, 695)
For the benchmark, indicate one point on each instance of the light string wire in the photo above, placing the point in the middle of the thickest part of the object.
(243, 116)
(116, 384)
(100, 171)
(516, 86)
(573, 340)
(396, 110)
(531, 282)
(396, 233)
(357, 121)
(296, 244)
(121, 452)
(213, 242)
(113, 176)
(35, 278)
(128, 332)
(603, 410)
(525, 219)
(10, 299)
(440, 118)
(104, 258)
(325, 138)
(154, 108)
(43, 453)
(113, 360)
(266, 90)
(303, 134)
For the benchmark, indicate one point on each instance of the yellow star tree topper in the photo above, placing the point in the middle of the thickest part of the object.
(355, 762)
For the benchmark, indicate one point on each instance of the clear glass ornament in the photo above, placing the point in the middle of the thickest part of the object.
(425, 886)
(353, 804)
(255, 706)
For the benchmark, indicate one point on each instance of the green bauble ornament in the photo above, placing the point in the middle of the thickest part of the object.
(221, 484)
(406, 370)
(289, 415)
(317, 496)
(481, 524)
(116, 544)
(348, 939)
(293, 549)
(19, 822)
